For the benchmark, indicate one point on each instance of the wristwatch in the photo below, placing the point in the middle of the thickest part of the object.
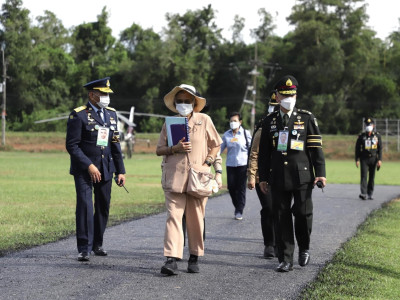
(218, 171)
(208, 163)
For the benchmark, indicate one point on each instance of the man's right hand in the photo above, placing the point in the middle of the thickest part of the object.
(94, 173)
(357, 163)
(264, 187)
(251, 184)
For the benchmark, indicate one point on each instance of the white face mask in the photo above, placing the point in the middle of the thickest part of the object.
(104, 101)
(271, 109)
(288, 103)
(369, 128)
(184, 109)
(234, 125)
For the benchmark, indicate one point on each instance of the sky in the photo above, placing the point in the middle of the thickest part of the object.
(384, 14)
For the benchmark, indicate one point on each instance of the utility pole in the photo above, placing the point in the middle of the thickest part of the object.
(3, 111)
(255, 74)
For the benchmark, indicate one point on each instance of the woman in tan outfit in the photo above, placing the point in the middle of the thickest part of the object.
(202, 149)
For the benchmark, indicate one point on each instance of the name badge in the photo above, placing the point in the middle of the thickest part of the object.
(283, 140)
(368, 144)
(297, 145)
(102, 136)
(234, 140)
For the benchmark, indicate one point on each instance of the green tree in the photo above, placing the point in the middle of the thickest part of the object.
(331, 52)
(190, 43)
(17, 38)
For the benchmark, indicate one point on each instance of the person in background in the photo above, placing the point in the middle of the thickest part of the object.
(369, 153)
(267, 220)
(94, 159)
(237, 141)
(291, 171)
(201, 149)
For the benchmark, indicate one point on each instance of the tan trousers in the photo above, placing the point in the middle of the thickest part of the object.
(194, 208)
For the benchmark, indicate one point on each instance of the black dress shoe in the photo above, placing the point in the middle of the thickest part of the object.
(362, 197)
(170, 267)
(370, 197)
(83, 256)
(269, 252)
(99, 251)
(284, 267)
(304, 258)
(193, 266)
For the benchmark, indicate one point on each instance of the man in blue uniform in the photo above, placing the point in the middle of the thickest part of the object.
(290, 168)
(369, 153)
(93, 144)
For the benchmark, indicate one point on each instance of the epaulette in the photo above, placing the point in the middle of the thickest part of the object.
(110, 108)
(304, 111)
(80, 108)
(272, 113)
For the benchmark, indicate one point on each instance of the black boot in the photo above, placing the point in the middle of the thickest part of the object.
(193, 266)
(170, 266)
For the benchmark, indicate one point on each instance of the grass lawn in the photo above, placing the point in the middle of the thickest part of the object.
(367, 267)
(37, 196)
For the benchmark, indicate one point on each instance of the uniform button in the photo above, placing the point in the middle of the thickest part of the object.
(285, 163)
(305, 168)
(102, 156)
(102, 147)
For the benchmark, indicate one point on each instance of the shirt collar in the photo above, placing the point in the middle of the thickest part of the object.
(94, 107)
(289, 113)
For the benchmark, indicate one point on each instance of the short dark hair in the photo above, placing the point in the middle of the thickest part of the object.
(236, 113)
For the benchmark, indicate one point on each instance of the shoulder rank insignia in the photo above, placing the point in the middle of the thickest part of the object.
(80, 108)
(304, 111)
(110, 108)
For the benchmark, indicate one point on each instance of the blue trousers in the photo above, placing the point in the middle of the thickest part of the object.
(90, 226)
(237, 178)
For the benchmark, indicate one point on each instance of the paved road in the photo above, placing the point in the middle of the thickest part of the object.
(233, 267)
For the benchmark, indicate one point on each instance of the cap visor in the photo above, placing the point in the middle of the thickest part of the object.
(104, 89)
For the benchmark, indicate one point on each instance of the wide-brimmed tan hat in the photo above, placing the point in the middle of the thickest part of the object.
(169, 98)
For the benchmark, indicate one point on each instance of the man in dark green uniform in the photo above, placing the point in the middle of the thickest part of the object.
(291, 167)
(369, 152)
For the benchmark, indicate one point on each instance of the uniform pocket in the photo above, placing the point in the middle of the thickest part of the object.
(305, 171)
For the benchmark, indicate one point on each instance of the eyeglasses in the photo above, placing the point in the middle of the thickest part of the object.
(185, 101)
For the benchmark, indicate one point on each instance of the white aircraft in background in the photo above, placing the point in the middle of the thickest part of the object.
(127, 135)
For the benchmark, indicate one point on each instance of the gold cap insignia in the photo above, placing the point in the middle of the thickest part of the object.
(108, 83)
(289, 82)
(369, 120)
(273, 97)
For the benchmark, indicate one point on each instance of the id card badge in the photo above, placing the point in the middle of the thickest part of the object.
(297, 145)
(283, 140)
(234, 140)
(368, 144)
(102, 136)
